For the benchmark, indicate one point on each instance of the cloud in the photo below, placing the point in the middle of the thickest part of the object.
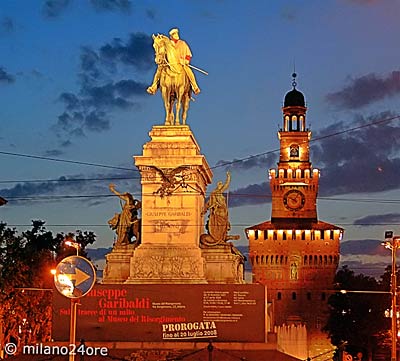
(91, 190)
(112, 5)
(289, 13)
(364, 2)
(53, 153)
(6, 77)
(371, 247)
(7, 25)
(366, 160)
(365, 90)
(374, 219)
(365, 256)
(263, 161)
(151, 14)
(103, 88)
(250, 195)
(137, 51)
(54, 8)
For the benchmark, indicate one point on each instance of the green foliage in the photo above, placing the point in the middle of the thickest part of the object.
(26, 284)
(358, 318)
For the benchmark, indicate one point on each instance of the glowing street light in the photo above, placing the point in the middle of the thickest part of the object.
(393, 243)
(73, 244)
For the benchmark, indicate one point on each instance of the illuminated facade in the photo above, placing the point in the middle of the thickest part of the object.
(294, 253)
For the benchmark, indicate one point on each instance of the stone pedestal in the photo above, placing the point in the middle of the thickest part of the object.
(224, 264)
(174, 177)
(158, 263)
(118, 264)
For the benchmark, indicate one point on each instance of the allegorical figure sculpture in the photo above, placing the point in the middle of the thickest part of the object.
(218, 224)
(174, 76)
(126, 224)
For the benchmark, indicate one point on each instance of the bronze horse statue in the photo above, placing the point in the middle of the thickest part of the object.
(174, 83)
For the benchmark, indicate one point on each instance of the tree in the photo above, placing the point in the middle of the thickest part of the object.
(26, 283)
(358, 318)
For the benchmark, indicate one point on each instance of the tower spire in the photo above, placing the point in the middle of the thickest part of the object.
(294, 75)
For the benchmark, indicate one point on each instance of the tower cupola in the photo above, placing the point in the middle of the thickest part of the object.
(294, 109)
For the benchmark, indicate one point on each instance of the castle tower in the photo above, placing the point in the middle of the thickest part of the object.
(294, 254)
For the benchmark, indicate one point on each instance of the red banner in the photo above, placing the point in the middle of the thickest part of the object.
(165, 312)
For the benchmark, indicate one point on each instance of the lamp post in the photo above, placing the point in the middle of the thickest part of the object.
(393, 243)
(73, 244)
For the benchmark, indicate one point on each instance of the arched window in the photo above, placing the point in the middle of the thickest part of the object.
(279, 296)
(294, 296)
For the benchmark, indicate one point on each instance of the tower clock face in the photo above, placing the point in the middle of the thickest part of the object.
(294, 200)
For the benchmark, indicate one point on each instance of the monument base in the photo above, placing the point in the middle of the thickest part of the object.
(167, 263)
(117, 269)
(224, 264)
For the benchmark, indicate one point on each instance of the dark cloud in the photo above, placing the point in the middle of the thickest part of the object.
(60, 189)
(102, 90)
(365, 90)
(124, 6)
(66, 143)
(361, 161)
(374, 219)
(364, 2)
(7, 25)
(365, 160)
(264, 161)
(151, 14)
(53, 153)
(137, 51)
(370, 247)
(6, 77)
(289, 13)
(249, 195)
(29, 189)
(54, 8)
(76, 123)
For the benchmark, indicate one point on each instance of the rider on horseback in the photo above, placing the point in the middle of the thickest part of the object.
(184, 55)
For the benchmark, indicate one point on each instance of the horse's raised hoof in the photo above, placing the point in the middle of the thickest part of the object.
(196, 91)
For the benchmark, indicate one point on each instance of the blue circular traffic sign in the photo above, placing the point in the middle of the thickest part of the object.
(75, 276)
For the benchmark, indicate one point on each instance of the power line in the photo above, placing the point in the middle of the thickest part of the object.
(231, 195)
(222, 164)
(62, 180)
(67, 161)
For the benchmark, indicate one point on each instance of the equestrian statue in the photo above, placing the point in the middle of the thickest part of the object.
(174, 76)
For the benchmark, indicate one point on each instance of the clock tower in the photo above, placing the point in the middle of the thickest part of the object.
(294, 254)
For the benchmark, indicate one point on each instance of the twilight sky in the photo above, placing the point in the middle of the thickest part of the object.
(73, 75)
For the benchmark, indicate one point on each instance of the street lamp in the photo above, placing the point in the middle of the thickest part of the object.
(73, 244)
(393, 243)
